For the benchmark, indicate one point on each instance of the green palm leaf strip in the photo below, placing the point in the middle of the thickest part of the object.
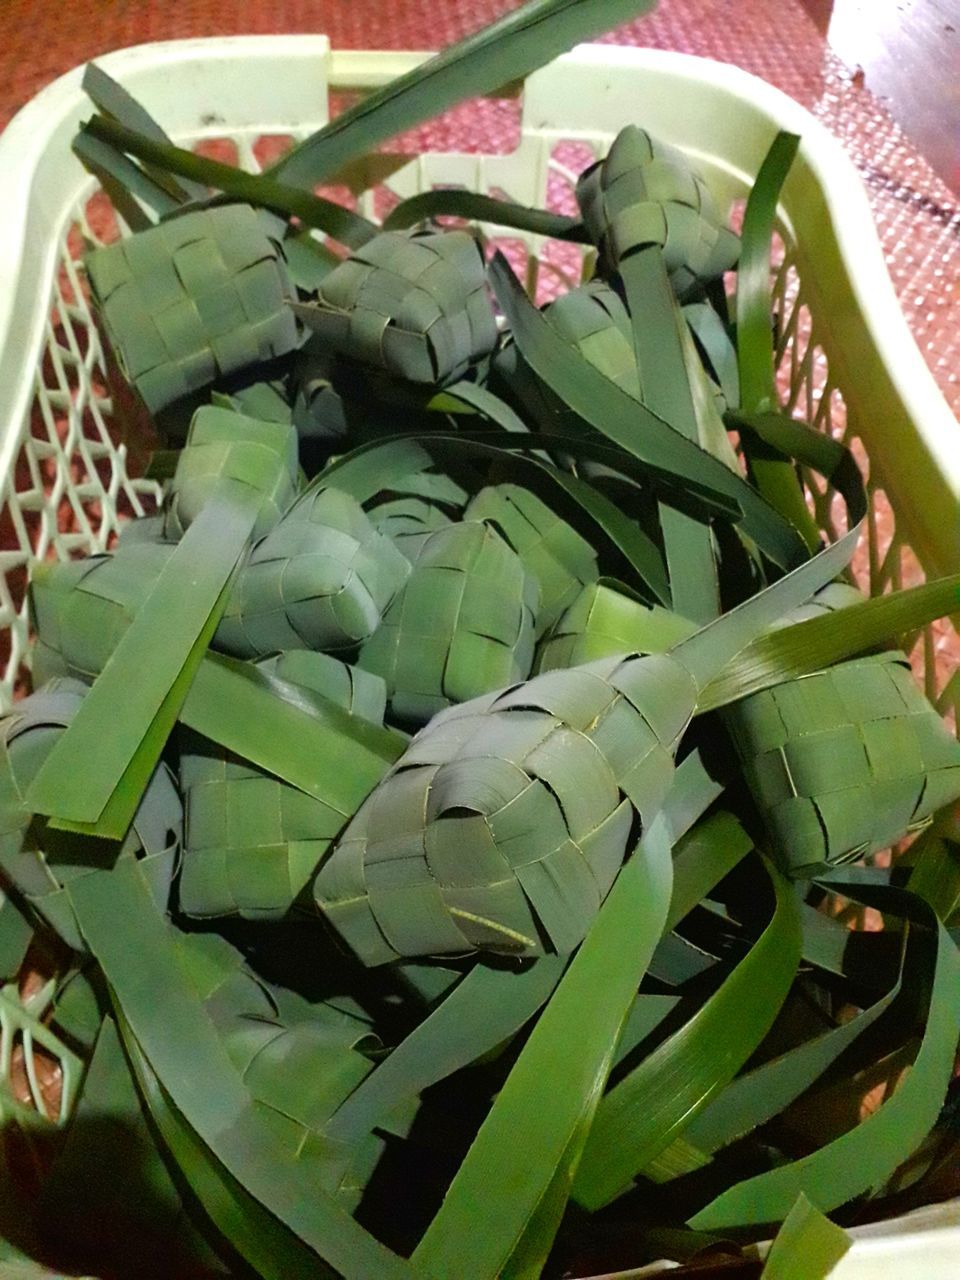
(776, 479)
(480, 208)
(267, 1245)
(709, 403)
(754, 330)
(507, 50)
(788, 438)
(122, 180)
(333, 219)
(759, 1095)
(862, 1159)
(95, 775)
(820, 642)
(486, 1008)
(666, 390)
(142, 1209)
(936, 865)
(652, 1104)
(536, 1127)
(807, 1247)
(702, 858)
(617, 415)
(717, 644)
(86, 769)
(16, 931)
(695, 789)
(294, 733)
(134, 948)
(711, 334)
(113, 100)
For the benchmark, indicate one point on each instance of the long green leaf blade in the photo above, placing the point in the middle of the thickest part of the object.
(481, 1012)
(755, 1098)
(617, 415)
(507, 50)
(820, 642)
(555, 1085)
(112, 99)
(807, 1247)
(776, 479)
(754, 331)
(300, 737)
(653, 1103)
(863, 1158)
(343, 224)
(87, 763)
(694, 584)
(480, 208)
(265, 1243)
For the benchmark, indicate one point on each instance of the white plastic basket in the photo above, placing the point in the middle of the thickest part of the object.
(847, 357)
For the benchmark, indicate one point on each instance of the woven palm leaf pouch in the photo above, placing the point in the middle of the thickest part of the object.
(414, 306)
(644, 192)
(845, 762)
(251, 841)
(194, 299)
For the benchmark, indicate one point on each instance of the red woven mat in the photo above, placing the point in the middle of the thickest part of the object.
(917, 216)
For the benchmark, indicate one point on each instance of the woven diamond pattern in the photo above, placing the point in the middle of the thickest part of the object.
(644, 192)
(195, 298)
(463, 624)
(502, 826)
(844, 763)
(415, 306)
(320, 580)
(252, 842)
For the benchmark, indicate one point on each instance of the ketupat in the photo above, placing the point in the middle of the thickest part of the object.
(462, 625)
(844, 763)
(81, 608)
(251, 841)
(555, 555)
(321, 579)
(503, 825)
(222, 445)
(644, 192)
(197, 298)
(416, 504)
(506, 821)
(415, 306)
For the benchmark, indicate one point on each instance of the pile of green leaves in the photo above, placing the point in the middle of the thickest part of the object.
(450, 826)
